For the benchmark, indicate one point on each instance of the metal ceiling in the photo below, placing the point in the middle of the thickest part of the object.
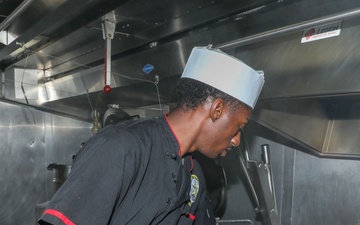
(52, 58)
(65, 43)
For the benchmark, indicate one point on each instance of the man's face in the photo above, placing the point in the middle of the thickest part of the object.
(224, 132)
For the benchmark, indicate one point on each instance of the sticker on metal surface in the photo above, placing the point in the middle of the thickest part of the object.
(148, 68)
(194, 189)
(321, 32)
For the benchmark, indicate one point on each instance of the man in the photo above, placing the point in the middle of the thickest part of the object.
(141, 171)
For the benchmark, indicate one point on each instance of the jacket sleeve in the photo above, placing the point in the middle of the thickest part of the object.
(102, 169)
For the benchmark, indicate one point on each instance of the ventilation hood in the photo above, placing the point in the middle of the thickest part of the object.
(52, 59)
(312, 91)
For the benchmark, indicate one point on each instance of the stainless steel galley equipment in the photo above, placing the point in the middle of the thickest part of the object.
(260, 179)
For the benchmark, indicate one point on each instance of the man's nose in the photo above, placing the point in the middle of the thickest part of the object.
(235, 141)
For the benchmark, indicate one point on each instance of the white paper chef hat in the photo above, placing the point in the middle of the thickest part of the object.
(225, 73)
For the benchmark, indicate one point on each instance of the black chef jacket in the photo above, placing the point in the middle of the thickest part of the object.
(131, 173)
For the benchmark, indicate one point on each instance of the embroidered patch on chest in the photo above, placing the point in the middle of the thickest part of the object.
(194, 189)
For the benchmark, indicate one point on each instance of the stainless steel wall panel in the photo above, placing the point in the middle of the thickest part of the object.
(309, 190)
(325, 191)
(63, 139)
(29, 141)
(60, 136)
(22, 163)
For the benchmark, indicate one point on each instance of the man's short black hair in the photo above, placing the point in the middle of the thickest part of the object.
(192, 94)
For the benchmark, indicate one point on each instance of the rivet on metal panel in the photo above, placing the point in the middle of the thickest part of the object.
(153, 44)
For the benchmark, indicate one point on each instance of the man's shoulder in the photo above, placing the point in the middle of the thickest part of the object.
(138, 126)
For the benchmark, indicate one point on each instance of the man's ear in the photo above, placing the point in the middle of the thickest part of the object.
(216, 109)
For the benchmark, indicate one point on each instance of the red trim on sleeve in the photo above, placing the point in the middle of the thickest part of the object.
(59, 215)
(167, 120)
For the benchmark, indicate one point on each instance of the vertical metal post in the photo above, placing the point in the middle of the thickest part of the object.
(108, 27)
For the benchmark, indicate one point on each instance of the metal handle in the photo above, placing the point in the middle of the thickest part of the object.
(265, 153)
(235, 221)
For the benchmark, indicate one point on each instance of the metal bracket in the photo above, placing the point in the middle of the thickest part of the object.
(260, 178)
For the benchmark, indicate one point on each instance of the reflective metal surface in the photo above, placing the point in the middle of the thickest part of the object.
(30, 141)
(310, 86)
(310, 190)
(70, 56)
(52, 62)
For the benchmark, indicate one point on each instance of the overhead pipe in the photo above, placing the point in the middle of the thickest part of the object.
(15, 14)
(290, 29)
